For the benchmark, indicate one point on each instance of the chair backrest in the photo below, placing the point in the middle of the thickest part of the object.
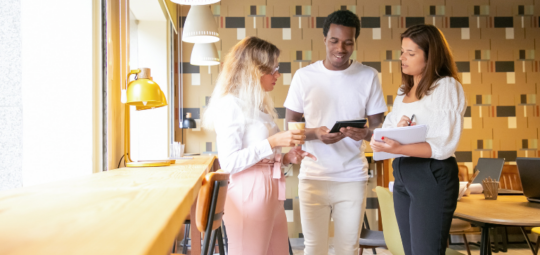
(510, 178)
(204, 201)
(463, 174)
(392, 237)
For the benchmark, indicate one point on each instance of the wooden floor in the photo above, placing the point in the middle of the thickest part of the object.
(513, 249)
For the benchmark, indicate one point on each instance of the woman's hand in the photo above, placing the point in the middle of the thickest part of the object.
(404, 122)
(295, 156)
(387, 145)
(287, 138)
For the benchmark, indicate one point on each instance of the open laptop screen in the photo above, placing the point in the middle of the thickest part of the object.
(489, 167)
(529, 173)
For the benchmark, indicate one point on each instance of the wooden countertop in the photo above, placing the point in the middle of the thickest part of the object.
(506, 210)
(122, 211)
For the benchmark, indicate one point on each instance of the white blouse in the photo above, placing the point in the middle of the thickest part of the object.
(242, 142)
(442, 111)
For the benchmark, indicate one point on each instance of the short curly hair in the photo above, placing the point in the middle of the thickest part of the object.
(344, 18)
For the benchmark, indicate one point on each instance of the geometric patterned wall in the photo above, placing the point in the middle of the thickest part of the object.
(496, 46)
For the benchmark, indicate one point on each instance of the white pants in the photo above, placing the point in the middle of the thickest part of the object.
(344, 202)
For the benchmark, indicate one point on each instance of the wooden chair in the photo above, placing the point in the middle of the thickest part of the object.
(463, 173)
(510, 178)
(209, 211)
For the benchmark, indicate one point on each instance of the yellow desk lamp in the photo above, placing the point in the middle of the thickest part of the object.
(144, 94)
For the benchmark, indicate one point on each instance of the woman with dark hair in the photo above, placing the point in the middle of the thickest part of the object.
(426, 182)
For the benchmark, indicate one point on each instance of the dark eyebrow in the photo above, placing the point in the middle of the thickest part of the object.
(406, 50)
(334, 38)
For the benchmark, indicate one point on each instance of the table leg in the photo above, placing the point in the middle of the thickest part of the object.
(485, 245)
(495, 239)
(504, 236)
(195, 234)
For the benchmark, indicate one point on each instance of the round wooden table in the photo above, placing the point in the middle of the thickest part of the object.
(505, 211)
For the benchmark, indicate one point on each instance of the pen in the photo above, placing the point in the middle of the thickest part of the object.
(412, 118)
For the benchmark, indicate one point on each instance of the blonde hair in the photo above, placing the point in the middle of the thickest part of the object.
(248, 61)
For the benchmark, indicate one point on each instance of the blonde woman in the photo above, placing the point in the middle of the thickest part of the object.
(249, 146)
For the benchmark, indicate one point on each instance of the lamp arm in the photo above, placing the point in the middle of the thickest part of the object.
(127, 135)
(136, 71)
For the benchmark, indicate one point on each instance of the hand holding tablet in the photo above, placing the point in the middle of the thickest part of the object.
(348, 123)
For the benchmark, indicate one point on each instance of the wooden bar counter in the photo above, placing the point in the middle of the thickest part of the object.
(122, 211)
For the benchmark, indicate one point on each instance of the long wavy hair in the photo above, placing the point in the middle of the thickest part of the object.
(248, 61)
(439, 60)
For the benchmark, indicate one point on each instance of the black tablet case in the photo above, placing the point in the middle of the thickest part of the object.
(348, 123)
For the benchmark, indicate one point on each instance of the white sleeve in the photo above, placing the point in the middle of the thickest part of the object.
(389, 120)
(230, 127)
(375, 103)
(449, 106)
(295, 97)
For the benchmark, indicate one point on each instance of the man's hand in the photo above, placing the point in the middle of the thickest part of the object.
(356, 134)
(323, 134)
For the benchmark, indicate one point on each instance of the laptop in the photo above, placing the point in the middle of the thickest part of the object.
(529, 173)
(509, 192)
(488, 167)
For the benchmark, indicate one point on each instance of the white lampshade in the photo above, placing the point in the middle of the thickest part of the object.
(195, 2)
(204, 54)
(200, 26)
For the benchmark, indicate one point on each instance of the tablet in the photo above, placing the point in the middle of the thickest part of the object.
(348, 123)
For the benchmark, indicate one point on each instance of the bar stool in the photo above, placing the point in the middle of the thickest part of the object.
(209, 211)
(370, 239)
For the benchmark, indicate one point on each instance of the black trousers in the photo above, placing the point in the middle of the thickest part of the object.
(425, 198)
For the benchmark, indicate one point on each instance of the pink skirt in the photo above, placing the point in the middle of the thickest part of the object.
(254, 214)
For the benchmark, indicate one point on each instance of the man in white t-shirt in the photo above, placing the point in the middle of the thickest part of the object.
(324, 92)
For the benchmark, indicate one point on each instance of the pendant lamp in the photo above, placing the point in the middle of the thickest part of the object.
(204, 54)
(200, 26)
(188, 122)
